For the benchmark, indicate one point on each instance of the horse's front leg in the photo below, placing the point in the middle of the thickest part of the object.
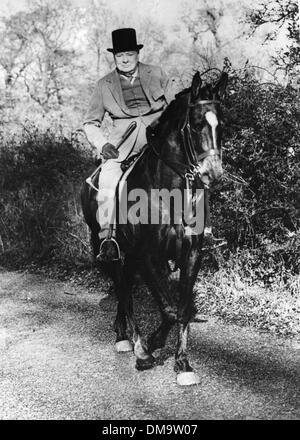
(185, 373)
(157, 277)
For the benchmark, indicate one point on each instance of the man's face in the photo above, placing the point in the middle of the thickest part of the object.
(126, 61)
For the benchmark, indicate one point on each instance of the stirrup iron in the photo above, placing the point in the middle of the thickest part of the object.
(111, 239)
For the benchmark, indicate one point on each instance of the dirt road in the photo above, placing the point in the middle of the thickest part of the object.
(57, 361)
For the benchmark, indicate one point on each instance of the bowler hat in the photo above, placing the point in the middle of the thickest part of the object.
(123, 40)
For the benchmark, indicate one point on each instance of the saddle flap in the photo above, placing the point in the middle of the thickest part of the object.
(129, 165)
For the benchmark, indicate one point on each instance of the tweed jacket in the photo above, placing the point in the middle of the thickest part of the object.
(108, 98)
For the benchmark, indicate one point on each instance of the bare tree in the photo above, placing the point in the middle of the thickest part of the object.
(99, 21)
(13, 54)
(38, 50)
(284, 15)
(210, 37)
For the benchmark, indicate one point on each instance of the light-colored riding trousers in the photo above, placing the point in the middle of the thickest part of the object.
(111, 169)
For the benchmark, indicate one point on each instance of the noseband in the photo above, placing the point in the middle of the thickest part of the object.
(192, 168)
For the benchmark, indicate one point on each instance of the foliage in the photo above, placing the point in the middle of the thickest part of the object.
(261, 149)
(284, 15)
(41, 174)
(53, 51)
(238, 297)
(37, 52)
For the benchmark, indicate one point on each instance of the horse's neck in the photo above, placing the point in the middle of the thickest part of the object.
(165, 146)
(156, 170)
(166, 137)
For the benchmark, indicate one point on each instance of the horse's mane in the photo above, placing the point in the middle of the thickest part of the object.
(183, 92)
(173, 113)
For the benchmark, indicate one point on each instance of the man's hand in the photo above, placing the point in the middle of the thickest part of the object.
(109, 151)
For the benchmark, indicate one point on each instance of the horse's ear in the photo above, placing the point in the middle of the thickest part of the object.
(221, 84)
(196, 86)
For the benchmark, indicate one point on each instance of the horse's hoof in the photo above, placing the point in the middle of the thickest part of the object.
(187, 378)
(145, 364)
(123, 346)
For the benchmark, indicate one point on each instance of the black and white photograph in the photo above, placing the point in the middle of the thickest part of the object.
(149, 213)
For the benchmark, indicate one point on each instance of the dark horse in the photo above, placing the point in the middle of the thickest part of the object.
(184, 150)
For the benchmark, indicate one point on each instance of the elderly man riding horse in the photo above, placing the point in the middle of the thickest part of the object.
(134, 91)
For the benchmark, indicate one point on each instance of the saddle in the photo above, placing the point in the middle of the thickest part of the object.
(109, 247)
(126, 164)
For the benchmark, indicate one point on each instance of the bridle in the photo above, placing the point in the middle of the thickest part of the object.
(191, 169)
(189, 146)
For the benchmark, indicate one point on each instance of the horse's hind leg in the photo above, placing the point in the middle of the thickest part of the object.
(123, 280)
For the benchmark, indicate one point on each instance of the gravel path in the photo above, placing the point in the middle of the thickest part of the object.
(57, 361)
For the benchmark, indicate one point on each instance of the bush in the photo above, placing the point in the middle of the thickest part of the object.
(41, 175)
(261, 214)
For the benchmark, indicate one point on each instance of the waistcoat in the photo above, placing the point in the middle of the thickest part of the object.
(134, 95)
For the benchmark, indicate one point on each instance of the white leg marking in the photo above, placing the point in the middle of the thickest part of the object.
(139, 350)
(187, 378)
(123, 346)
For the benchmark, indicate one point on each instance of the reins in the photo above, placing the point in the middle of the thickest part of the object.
(190, 170)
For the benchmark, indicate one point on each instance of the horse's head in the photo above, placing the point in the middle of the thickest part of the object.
(205, 127)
